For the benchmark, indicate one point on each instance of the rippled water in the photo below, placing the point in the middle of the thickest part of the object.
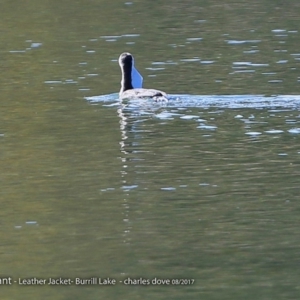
(211, 190)
(213, 180)
(202, 188)
(204, 101)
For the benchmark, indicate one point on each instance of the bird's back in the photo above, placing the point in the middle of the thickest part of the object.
(143, 93)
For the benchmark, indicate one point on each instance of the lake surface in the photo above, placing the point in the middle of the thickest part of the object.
(202, 190)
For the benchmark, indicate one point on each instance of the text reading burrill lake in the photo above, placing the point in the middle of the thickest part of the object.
(34, 281)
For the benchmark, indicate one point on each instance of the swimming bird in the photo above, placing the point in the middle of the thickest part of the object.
(132, 81)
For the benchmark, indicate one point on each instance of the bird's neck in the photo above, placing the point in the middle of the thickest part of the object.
(126, 83)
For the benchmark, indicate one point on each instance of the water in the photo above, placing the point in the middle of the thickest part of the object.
(202, 188)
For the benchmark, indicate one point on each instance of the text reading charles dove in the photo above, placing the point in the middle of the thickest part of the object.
(77, 281)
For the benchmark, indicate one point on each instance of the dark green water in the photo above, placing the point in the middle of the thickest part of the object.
(196, 190)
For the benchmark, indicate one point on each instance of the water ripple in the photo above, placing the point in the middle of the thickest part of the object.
(204, 101)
